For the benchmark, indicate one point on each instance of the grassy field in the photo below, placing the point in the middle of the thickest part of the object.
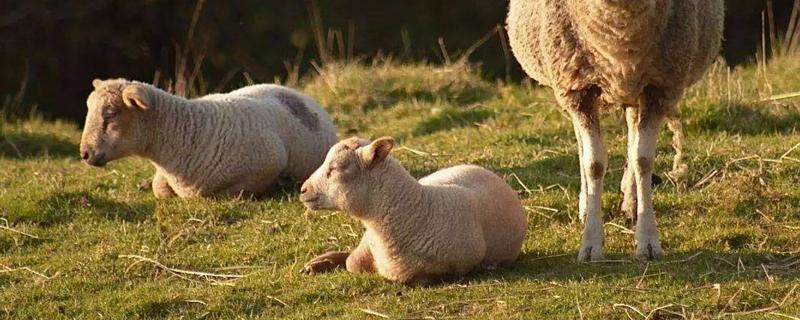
(82, 242)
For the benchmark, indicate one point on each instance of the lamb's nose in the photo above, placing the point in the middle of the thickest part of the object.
(85, 155)
(303, 190)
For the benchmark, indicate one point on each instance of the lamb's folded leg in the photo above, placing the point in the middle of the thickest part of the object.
(583, 108)
(360, 259)
(326, 262)
(161, 188)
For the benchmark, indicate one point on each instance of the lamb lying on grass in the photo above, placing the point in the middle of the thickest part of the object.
(443, 225)
(238, 143)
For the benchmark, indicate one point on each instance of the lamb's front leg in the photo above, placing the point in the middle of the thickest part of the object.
(326, 262)
(652, 110)
(360, 259)
(357, 261)
(161, 188)
(583, 108)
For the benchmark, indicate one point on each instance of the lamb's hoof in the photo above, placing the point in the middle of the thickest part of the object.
(649, 250)
(145, 185)
(590, 253)
(327, 262)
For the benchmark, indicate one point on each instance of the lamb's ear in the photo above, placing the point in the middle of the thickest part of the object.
(377, 151)
(96, 83)
(136, 96)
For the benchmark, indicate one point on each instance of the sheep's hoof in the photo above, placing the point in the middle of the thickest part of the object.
(326, 262)
(649, 250)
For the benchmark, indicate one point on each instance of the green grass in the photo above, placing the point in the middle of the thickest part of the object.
(732, 237)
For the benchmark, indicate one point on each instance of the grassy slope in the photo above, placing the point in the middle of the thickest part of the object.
(737, 229)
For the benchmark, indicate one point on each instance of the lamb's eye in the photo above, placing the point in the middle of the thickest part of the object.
(109, 113)
(330, 170)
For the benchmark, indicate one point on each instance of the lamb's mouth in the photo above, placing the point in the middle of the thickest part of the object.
(311, 203)
(98, 161)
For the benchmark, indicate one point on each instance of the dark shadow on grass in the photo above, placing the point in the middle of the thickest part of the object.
(63, 207)
(690, 268)
(557, 170)
(742, 119)
(35, 145)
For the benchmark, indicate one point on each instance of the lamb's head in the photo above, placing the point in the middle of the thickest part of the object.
(114, 128)
(348, 176)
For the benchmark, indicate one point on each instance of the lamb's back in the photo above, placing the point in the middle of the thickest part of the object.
(305, 128)
(493, 203)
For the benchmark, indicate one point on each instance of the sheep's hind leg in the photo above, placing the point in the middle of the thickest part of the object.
(582, 107)
(628, 184)
(679, 168)
(652, 110)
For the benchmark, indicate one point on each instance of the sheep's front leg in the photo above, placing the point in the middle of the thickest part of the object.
(652, 110)
(581, 173)
(161, 188)
(582, 107)
(628, 184)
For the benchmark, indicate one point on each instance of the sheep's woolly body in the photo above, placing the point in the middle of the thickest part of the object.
(444, 224)
(620, 46)
(638, 54)
(233, 143)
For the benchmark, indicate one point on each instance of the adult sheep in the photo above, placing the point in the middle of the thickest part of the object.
(638, 54)
(237, 143)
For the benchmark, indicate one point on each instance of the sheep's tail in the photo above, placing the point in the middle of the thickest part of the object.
(679, 168)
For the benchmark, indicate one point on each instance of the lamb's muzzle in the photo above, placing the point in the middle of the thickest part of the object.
(93, 159)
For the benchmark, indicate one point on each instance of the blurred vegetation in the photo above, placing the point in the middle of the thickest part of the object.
(51, 50)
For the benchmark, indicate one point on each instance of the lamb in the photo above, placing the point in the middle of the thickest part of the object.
(417, 232)
(233, 144)
(637, 54)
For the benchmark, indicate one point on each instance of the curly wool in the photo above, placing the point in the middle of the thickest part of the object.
(620, 46)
